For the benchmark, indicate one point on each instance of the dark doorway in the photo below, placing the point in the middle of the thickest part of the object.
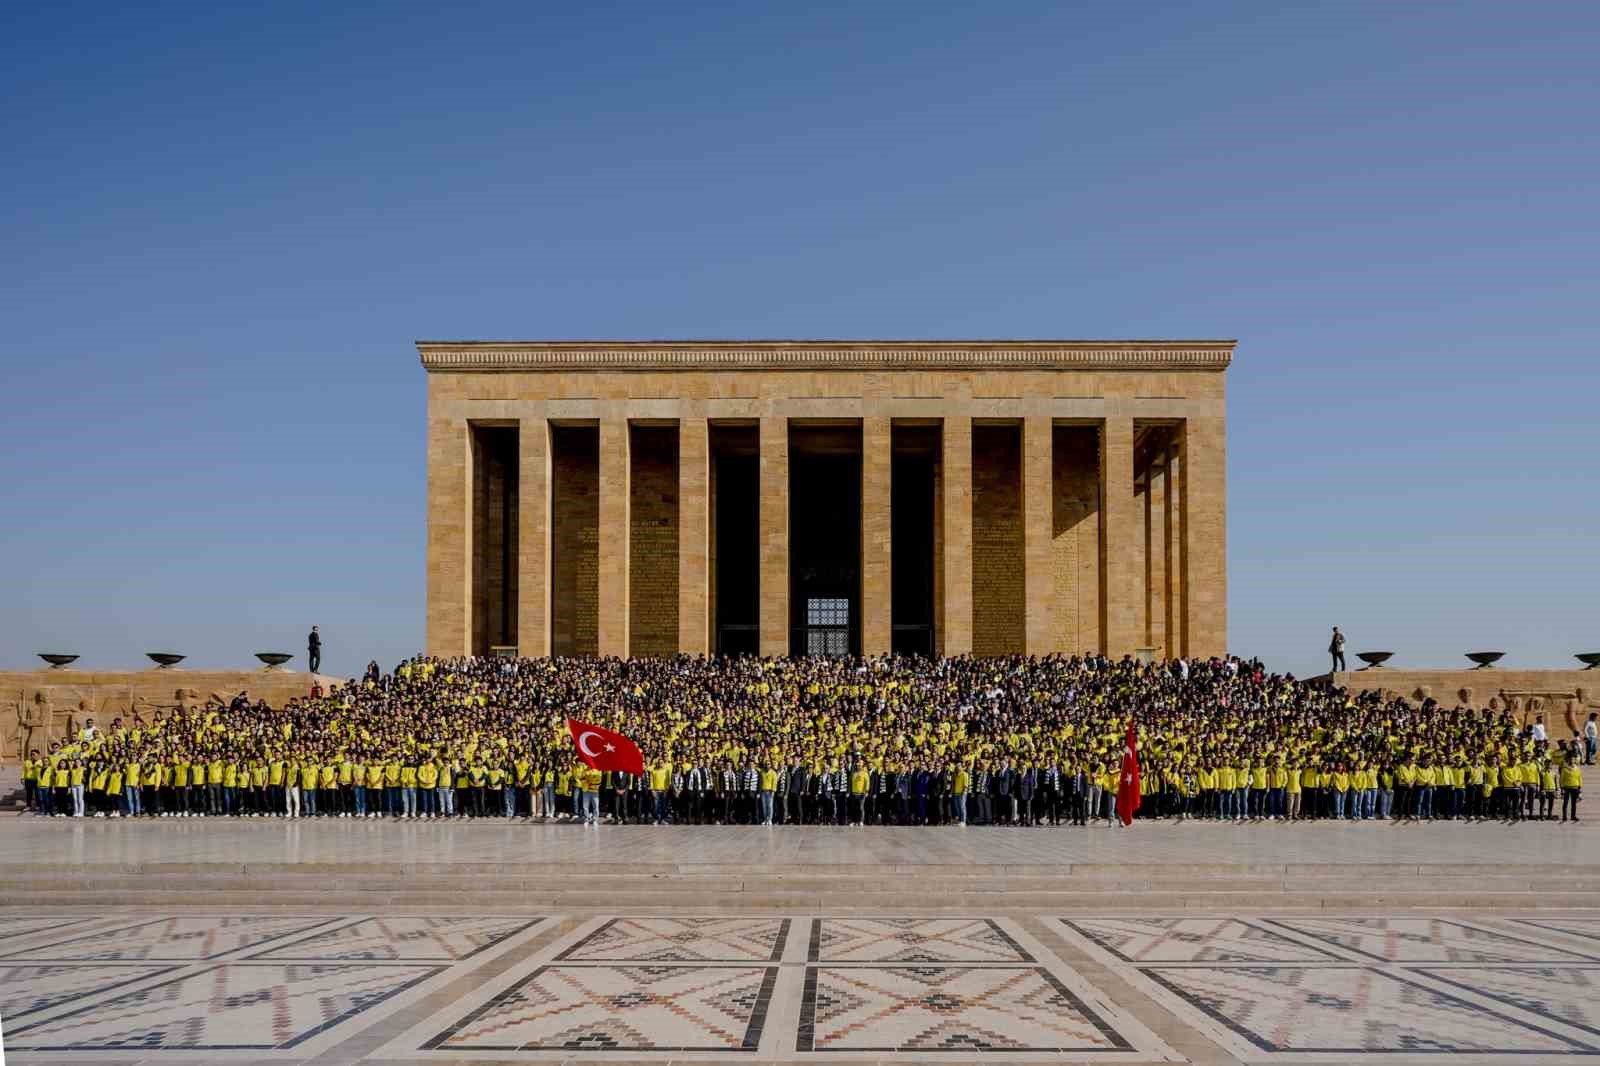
(825, 540)
(736, 540)
(495, 459)
(914, 452)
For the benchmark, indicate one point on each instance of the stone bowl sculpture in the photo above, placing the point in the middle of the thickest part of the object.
(274, 659)
(1374, 659)
(1589, 659)
(1485, 659)
(164, 659)
(57, 659)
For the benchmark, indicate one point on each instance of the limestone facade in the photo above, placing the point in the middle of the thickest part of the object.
(1078, 495)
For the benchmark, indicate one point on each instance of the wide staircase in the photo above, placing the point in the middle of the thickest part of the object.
(690, 886)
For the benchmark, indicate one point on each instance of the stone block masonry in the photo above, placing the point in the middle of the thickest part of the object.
(1078, 493)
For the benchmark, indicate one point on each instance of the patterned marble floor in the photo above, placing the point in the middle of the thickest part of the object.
(126, 988)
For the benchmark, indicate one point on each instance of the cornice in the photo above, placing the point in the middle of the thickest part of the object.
(492, 356)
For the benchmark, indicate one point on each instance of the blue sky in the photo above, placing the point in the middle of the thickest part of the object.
(225, 224)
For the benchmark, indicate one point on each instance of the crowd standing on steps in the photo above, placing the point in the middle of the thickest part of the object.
(1017, 741)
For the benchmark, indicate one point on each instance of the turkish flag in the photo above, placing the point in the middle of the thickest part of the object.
(1128, 787)
(601, 749)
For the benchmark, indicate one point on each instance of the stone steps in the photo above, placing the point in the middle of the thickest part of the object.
(700, 887)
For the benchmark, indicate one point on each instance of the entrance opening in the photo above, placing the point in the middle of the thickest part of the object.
(735, 540)
(495, 460)
(914, 455)
(825, 536)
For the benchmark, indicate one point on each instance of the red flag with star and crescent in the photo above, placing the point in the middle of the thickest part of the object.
(1128, 787)
(603, 749)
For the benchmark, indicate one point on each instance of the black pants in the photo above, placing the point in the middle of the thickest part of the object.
(1569, 803)
(1338, 660)
(315, 655)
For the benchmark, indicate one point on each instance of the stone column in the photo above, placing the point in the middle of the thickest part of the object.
(694, 536)
(1205, 534)
(955, 564)
(774, 522)
(533, 537)
(1038, 575)
(614, 495)
(876, 560)
(1119, 540)
(449, 570)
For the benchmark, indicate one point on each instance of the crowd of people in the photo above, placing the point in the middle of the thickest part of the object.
(1014, 741)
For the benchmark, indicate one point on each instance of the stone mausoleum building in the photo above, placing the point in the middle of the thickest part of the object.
(793, 497)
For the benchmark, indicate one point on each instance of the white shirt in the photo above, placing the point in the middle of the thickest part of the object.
(1589, 729)
(1538, 731)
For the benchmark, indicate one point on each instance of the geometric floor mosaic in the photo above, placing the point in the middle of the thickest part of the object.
(1424, 940)
(912, 940)
(621, 1008)
(28, 924)
(243, 1006)
(682, 940)
(1145, 939)
(1569, 994)
(403, 939)
(947, 1009)
(1350, 1009)
(182, 939)
(29, 987)
(453, 988)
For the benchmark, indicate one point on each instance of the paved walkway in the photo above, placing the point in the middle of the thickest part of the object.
(29, 840)
(124, 987)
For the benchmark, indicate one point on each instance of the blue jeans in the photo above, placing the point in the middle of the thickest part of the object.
(961, 807)
(549, 800)
(1226, 798)
(766, 806)
(1369, 802)
(445, 800)
(408, 800)
(508, 801)
(1425, 801)
(591, 806)
(1386, 803)
(308, 801)
(361, 801)
(1339, 803)
(1275, 802)
(131, 801)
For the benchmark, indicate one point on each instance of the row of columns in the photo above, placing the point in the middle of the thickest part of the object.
(1196, 604)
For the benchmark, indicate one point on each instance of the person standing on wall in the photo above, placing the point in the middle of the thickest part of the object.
(314, 649)
(1336, 649)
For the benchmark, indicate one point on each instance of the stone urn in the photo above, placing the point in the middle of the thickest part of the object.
(274, 659)
(164, 659)
(57, 659)
(1589, 659)
(1374, 659)
(1485, 659)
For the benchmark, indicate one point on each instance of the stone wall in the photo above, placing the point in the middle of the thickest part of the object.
(37, 706)
(1564, 697)
(997, 572)
(1075, 544)
(653, 542)
(575, 542)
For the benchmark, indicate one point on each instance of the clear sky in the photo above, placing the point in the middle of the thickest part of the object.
(223, 226)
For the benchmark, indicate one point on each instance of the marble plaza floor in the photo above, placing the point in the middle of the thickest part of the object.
(279, 942)
(125, 987)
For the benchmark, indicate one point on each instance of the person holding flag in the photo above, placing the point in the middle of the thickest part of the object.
(1128, 784)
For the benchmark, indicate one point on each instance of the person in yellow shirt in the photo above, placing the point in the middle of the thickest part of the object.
(659, 775)
(408, 791)
(769, 788)
(427, 788)
(132, 788)
(1571, 784)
